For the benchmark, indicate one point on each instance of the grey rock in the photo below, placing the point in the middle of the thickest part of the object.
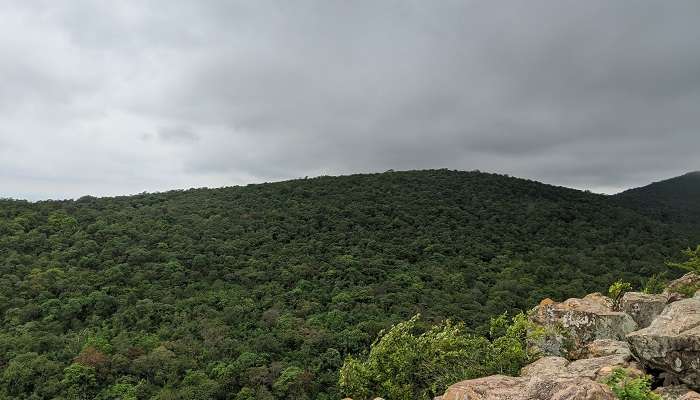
(672, 342)
(642, 307)
(572, 324)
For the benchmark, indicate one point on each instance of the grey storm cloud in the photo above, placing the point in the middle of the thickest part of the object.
(177, 134)
(597, 95)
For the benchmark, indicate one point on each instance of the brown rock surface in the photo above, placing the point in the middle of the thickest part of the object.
(607, 347)
(548, 378)
(678, 392)
(500, 387)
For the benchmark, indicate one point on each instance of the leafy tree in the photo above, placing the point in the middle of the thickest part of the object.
(245, 394)
(692, 264)
(198, 386)
(291, 383)
(80, 382)
(119, 391)
(31, 375)
(403, 364)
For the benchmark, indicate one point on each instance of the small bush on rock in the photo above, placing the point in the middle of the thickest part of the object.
(626, 387)
(617, 290)
(655, 284)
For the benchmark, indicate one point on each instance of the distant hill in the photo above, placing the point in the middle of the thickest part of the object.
(260, 291)
(672, 200)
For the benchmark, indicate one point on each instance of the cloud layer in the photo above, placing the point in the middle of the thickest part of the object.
(121, 97)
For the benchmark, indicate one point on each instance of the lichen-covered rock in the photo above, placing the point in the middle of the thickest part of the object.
(488, 388)
(542, 388)
(548, 378)
(678, 392)
(572, 324)
(607, 347)
(546, 366)
(499, 387)
(643, 307)
(596, 368)
(672, 342)
(682, 287)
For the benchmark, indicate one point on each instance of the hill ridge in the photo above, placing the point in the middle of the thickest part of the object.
(265, 288)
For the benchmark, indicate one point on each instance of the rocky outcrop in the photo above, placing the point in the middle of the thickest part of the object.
(572, 324)
(597, 368)
(672, 342)
(545, 379)
(643, 307)
(499, 387)
(649, 334)
(678, 392)
(683, 287)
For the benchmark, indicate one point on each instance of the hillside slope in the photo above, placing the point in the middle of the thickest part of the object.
(672, 200)
(261, 290)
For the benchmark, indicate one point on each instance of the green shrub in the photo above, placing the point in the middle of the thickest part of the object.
(626, 387)
(403, 365)
(692, 264)
(655, 284)
(617, 290)
(687, 290)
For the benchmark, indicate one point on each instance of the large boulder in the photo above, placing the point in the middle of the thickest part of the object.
(499, 387)
(569, 326)
(672, 342)
(643, 307)
(596, 368)
(549, 378)
(488, 388)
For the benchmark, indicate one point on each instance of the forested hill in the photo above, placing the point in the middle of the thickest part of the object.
(672, 200)
(260, 291)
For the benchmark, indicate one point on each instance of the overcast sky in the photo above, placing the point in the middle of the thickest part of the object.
(120, 97)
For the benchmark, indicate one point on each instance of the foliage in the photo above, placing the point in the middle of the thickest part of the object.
(692, 263)
(404, 364)
(80, 382)
(617, 290)
(655, 284)
(231, 292)
(675, 200)
(119, 391)
(626, 387)
(687, 290)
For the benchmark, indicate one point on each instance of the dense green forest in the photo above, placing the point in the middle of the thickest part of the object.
(673, 200)
(260, 292)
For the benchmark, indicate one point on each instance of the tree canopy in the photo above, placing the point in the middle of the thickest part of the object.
(262, 291)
